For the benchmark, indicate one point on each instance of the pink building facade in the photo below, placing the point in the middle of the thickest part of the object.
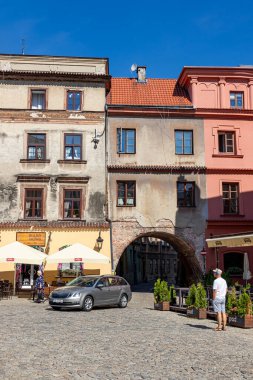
(223, 97)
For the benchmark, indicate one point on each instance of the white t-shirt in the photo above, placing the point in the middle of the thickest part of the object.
(220, 286)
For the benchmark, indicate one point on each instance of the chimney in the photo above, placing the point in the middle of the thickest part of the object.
(141, 74)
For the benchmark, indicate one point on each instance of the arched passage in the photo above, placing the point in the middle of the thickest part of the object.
(129, 232)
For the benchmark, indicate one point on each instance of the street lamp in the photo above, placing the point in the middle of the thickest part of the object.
(99, 241)
(203, 254)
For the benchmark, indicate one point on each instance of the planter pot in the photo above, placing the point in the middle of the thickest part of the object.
(196, 313)
(162, 306)
(245, 322)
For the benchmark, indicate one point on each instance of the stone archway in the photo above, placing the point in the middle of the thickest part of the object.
(184, 242)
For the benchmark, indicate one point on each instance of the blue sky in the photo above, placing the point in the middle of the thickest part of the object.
(163, 35)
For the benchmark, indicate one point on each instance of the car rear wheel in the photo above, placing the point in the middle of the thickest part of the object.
(123, 301)
(88, 303)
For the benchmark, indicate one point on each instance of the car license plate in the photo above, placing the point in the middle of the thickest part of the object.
(57, 301)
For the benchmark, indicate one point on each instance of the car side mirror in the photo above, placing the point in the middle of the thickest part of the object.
(100, 286)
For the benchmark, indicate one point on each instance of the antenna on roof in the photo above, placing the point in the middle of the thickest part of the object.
(23, 46)
(134, 67)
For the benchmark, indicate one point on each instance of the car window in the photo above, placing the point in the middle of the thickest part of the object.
(103, 281)
(88, 284)
(83, 281)
(113, 281)
(122, 281)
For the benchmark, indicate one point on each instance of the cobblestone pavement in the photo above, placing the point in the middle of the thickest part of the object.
(129, 344)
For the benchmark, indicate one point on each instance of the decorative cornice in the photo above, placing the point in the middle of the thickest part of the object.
(224, 113)
(229, 171)
(229, 223)
(43, 224)
(72, 162)
(166, 112)
(33, 178)
(72, 179)
(155, 169)
(148, 169)
(58, 116)
(54, 76)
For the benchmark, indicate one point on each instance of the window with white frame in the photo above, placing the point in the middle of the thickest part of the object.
(72, 146)
(126, 140)
(236, 99)
(226, 142)
(38, 99)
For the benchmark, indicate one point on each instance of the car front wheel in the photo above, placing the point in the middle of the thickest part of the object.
(88, 303)
(123, 301)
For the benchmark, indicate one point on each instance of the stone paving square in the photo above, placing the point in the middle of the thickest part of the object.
(135, 343)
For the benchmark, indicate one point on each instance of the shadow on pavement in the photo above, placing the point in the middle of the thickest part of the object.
(203, 327)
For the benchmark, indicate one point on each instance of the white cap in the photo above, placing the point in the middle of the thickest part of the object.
(217, 271)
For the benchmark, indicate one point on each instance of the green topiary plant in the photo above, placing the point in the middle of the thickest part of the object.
(232, 301)
(244, 306)
(201, 298)
(239, 305)
(191, 298)
(161, 291)
(197, 297)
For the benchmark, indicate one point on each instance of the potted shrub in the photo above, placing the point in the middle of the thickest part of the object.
(196, 302)
(161, 295)
(239, 309)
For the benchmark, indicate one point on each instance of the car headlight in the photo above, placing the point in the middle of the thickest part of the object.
(75, 295)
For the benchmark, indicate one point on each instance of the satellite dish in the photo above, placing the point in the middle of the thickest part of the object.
(133, 67)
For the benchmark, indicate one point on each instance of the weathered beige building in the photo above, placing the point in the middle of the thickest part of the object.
(52, 180)
(156, 182)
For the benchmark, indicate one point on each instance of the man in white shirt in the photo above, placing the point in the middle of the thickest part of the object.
(219, 299)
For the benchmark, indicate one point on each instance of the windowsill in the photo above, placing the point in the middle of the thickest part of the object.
(126, 206)
(184, 154)
(120, 153)
(27, 161)
(32, 220)
(72, 161)
(38, 109)
(74, 111)
(232, 215)
(227, 155)
(72, 220)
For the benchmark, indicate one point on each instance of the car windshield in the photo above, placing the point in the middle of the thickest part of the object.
(83, 281)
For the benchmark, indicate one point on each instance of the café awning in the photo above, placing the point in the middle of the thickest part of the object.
(78, 253)
(242, 240)
(20, 253)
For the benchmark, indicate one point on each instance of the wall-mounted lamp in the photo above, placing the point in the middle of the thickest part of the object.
(96, 139)
(99, 241)
(203, 254)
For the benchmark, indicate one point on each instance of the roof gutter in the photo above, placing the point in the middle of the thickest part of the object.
(149, 107)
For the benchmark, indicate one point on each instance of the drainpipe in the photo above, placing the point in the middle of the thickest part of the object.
(106, 185)
(111, 245)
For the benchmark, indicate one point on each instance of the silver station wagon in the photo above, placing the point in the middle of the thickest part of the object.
(85, 292)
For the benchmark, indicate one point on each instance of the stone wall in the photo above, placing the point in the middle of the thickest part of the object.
(187, 244)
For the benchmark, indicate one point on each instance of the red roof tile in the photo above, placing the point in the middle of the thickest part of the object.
(155, 92)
